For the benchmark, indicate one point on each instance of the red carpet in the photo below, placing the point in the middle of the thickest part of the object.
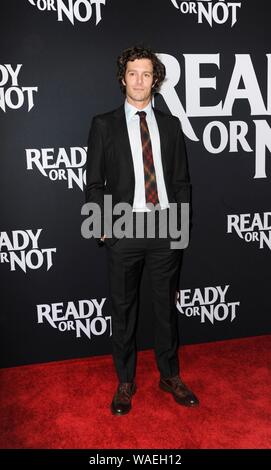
(66, 404)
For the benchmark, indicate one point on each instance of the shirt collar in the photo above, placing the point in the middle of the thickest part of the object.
(131, 110)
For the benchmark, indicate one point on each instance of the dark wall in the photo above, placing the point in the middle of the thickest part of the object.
(51, 277)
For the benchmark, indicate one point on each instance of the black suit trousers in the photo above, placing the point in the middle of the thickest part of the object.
(126, 259)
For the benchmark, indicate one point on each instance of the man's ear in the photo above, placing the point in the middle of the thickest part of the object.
(123, 82)
(154, 83)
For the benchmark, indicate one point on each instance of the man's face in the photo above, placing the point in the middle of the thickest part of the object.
(139, 80)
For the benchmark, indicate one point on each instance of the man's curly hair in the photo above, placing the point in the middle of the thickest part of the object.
(140, 52)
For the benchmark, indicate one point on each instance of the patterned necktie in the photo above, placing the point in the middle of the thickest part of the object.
(149, 170)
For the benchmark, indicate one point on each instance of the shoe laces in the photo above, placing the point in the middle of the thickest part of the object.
(125, 389)
(177, 383)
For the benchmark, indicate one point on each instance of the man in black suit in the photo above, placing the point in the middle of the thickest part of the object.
(136, 154)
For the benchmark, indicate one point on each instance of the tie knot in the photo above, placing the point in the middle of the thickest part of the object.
(141, 114)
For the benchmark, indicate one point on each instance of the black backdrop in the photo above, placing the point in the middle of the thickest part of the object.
(50, 305)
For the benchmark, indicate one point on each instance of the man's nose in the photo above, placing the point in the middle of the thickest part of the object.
(139, 79)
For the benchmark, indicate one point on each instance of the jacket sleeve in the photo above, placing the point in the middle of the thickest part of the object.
(181, 179)
(182, 186)
(95, 168)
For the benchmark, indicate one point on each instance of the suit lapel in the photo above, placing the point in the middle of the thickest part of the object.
(122, 137)
(163, 136)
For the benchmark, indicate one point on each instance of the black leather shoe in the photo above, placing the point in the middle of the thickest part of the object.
(179, 390)
(122, 400)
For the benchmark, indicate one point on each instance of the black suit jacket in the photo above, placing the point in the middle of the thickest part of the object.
(110, 167)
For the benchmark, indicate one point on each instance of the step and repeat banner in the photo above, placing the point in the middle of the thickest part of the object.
(58, 70)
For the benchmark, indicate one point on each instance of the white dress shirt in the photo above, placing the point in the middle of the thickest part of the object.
(133, 125)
